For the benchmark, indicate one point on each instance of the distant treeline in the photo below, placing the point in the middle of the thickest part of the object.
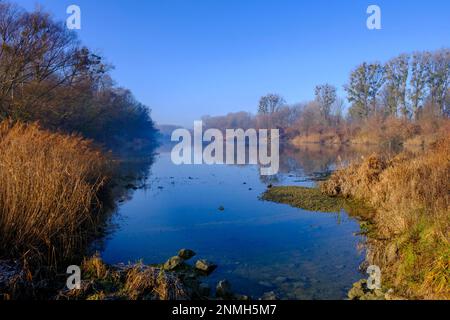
(410, 92)
(402, 86)
(47, 76)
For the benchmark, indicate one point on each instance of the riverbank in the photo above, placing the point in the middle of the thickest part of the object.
(52, 188)
(53, 191)
(54, 202)
(378, 131)
(176, 279)
(411, 219)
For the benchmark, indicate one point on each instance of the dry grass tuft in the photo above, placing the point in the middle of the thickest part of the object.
(143, 282)
(131, 282)
(95, 268)
(49, 186)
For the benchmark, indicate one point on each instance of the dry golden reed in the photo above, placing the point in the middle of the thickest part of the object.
(412, 195)
(49, 183)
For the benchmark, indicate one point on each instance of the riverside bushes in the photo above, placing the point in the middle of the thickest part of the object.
(47, 75)
(49, 188)
(411, 194)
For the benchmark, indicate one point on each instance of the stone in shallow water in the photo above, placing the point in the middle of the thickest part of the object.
(360, 291)
(281, 279)
(173, 263)
(223, 290)
(242, 297)
(269, 296)
(186, 254)
(205, 266)
(265, 284)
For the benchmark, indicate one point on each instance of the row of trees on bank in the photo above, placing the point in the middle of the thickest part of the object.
(402, 86)
(411, 87)
(46, 75)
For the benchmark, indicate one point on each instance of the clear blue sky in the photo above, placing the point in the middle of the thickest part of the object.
(188, 58)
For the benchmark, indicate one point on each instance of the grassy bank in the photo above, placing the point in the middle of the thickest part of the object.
(53, 192)
(312, 199)
(50, 185)
(411, 194)
(411, 219)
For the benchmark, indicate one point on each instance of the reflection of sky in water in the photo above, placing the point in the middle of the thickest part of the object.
(259, 246)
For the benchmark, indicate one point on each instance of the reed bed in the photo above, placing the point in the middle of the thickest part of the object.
(411, 192)
(49, 192)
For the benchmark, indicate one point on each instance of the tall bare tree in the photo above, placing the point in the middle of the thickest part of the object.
(325, 96)
(439, 78)
(396, 75)
(420, 65)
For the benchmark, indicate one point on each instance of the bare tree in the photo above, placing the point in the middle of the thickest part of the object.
(439, 78)
(270, 103)
(419, 77)
(268, 106)
(325, 96)
(37, 56)
(396, 73)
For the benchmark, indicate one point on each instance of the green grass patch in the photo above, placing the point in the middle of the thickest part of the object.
(304, 198)
(312, 199)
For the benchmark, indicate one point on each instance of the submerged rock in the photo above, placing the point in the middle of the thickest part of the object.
(281, 279)
(205, 266)
(204, 290)
(360, 291)
(186, 254)
(223, 290)
(269, 296)
(242, 297)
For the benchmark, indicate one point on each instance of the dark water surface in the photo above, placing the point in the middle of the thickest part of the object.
(259, 246)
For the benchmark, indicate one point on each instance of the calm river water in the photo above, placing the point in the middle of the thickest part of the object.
(259, 246)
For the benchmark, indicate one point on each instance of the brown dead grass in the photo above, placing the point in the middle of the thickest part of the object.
(49, 183)
(412, 195)
(125, 282)
(143, 282)
(404, 187)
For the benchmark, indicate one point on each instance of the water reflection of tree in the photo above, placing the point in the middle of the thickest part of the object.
(130, 172)
(314, 158)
